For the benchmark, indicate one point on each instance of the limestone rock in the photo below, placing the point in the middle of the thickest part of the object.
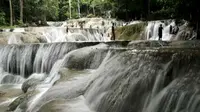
(29, 84)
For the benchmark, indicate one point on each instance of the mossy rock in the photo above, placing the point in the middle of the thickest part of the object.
(16, 103)
(2, 94)
(21, 101)
(50, 106)
(3, 41)
(131, 32)
(29, 84)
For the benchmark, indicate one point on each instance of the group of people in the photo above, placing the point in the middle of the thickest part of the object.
(103, 23)
(172, 30)
(81, 23)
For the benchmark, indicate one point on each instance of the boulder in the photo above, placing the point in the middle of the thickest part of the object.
(29, 85)
(3, 41)
(2, 93)
(21, 101)
(29, 38)
(16, 102)
(20, 38)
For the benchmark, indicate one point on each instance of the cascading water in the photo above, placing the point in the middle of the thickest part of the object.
(182, 34)
(93, 76)
(109, 77)
(33, 62)
(152, 30)
(93, 30)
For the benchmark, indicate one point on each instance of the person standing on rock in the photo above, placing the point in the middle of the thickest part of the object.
(67, 29)
(160, 29)
(170, 29)
(177, 30)
(113, 32)
(103, 23)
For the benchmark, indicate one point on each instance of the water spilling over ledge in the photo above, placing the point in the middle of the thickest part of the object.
(122, 76)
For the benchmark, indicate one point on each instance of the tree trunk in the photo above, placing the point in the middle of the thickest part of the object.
(126, 5)
(93, 10)
(149, 7)
(11, 13)
(88, 12)
(70, 10)
(44, 20)
(79, 10)
(198, 35)
(198, 25)
(21, 10)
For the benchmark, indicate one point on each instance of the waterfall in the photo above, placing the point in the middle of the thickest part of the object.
(82, 71)
(14, 30)
(24, 60)
(116, 77)
(143, 85)
(151, 31)
(56, 24)
(94, 29)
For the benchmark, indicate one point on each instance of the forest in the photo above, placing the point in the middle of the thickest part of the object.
(19, 12)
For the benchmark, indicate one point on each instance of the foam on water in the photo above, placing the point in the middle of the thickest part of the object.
(19, 30)
(7, 78)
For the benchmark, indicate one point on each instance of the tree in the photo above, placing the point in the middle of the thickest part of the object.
(79, 11)
(21, 10)
(11, 13)
(149, 7)
(70, 9)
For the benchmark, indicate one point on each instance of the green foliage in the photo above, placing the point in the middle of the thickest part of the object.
(54, 10)
(90, 16)
(63, 10)
(41, 10)
(2, 18)
(34, 10)
(163, 13)
(20, 23)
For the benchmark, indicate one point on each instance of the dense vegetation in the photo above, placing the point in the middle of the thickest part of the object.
(29, 11)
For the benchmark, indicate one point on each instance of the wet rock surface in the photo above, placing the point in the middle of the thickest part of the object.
(30, 84)
(139, 76)
(21, 38)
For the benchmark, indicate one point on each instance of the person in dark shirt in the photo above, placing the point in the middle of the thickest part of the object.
(177, 30)
(67, 29)
(113, 32)
(170, 29)
(160, 29)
